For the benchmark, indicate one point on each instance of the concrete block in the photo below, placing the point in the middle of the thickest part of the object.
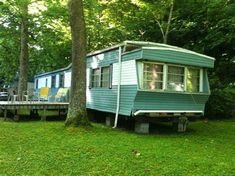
(109, 121)
(142, 128)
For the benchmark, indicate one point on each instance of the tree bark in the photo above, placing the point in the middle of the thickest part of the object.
(77, 115)
(24, 53)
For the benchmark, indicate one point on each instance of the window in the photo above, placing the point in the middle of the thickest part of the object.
(101, 77)
(53, 81)
(152, 76)
(36, 84)
(105, 77)
(160, 76)
(46, 82)
(175, 78)
(95, 78)
(193, 79)
(61, 80)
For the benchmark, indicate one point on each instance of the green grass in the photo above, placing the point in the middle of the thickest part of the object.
(47, 148)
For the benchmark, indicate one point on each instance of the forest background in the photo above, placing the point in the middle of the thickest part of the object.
(204, 26)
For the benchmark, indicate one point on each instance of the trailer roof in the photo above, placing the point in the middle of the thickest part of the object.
(132, 45)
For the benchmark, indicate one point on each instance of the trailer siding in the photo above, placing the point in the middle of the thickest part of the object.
(128, 94)
(133, 55)
(103, 59)
(175, 57)
(104, 99)
(169, 101)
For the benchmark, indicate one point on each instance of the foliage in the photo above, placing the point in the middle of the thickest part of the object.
(39, 148)
(204, 26)
(49, 42)
(221, 103)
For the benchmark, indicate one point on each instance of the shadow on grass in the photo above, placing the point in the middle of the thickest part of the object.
(167, 129)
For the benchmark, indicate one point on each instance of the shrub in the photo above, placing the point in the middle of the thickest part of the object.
(221, 103)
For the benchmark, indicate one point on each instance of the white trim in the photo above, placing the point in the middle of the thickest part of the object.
(165, 70)
(180, 66)
(201, 81)
(165, 111)
(185, 78)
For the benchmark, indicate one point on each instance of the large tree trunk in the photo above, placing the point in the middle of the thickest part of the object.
(77, 108)
(24, 53)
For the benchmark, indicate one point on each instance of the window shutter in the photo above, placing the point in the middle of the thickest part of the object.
(90, 78)
(110, 75)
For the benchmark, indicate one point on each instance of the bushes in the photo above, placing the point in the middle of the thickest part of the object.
(221, 103)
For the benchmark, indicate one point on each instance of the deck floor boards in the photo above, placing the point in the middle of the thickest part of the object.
(32, 105)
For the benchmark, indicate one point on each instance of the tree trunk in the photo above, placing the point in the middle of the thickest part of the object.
(77, 108)
(24, 53)
(165, 37)
(168, 24)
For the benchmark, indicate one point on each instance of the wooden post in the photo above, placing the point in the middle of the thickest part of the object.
(16, 116)
(43, 117)
(5, 113)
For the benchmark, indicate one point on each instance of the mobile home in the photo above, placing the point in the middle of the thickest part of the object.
(142, 79)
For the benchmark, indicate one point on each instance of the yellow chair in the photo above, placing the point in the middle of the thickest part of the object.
(43, 94)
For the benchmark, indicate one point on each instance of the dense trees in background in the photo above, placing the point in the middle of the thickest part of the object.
(205, 26)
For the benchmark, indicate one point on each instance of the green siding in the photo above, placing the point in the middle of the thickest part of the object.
(110, 57)
(102, 99)
(133, 55)
(128, 94)
(176, 57)
(105, 100)
(169, 101)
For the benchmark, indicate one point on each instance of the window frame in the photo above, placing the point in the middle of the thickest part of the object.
(140, 73)
(92, 77)
(109, 77)
(53, 81)
(184, 81)
(140, 67)
(61, 80)
(102, 74)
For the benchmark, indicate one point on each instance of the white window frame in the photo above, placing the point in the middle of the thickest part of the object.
(101, 77)
(200, 89)
(140, 67)
(92, 77)
(141, 75)
(174, 65)
(201, 80)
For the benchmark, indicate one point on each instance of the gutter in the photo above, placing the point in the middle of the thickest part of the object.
(119, 86)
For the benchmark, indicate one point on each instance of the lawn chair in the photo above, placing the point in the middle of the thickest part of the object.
(29, 95)
(12, 96)
(62, 95)
(43, 94)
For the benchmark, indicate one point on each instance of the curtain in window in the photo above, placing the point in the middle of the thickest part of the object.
(193, 78)
(105, 77)
(153, 76)
(95, 77)
(175, 78)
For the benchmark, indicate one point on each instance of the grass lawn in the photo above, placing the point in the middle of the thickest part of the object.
(47, 148)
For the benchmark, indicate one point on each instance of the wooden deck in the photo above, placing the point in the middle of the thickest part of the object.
(32, 106)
